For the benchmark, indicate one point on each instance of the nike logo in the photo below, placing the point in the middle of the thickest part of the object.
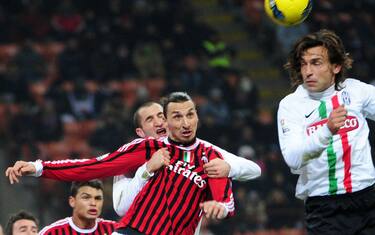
(308, 115)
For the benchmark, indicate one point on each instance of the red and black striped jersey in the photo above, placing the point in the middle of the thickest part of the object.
(67, 227)
(169, 202)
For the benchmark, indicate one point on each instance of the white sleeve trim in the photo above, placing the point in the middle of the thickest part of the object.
(38, 168)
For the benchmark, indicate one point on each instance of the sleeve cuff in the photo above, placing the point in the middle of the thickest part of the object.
(324, 136)
(143, 174)
(38, 168)
(225, 209)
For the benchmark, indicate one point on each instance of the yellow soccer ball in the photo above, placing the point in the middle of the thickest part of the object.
(288, 12)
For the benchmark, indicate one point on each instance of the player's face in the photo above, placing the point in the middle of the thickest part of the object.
(153, 122)
(317, 72)
(182, 121)
(25, 227)
(87, 204)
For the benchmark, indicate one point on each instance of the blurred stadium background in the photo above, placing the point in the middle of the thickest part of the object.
(72, 72)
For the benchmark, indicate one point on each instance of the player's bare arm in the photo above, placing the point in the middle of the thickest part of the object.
(19, 169)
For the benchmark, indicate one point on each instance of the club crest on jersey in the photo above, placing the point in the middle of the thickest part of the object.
(345, 97)
(351, 123)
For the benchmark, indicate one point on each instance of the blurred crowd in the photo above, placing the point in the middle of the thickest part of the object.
(72, 73)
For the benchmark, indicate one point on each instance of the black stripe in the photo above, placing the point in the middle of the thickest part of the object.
(162, 212)
(217, 154)
(62, 231)
(156, 144)
(197, 156)
(93, 163)
(182, 200)
(172, 151)
(226, 191)
(171, 182)
(196, 213)
(146, 199)
(70, 230)
(176, 196)
(178, 224)
(148, 150)
(150, 201)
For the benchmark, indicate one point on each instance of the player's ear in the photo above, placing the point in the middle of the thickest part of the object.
(336, 68)
(72, 201)
(140, 132)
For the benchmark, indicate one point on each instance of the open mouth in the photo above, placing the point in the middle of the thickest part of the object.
(161, 131)
(186, 133)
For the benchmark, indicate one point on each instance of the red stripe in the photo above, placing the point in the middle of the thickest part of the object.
(346, 153)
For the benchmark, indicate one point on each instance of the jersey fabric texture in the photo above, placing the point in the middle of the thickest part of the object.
(328, 164)
(169, 202)
(67, 227)
(126, 189)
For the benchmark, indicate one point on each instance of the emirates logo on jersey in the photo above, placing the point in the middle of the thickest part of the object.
(185, 169)
(351, 123)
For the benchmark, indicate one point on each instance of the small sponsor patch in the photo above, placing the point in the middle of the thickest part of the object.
(284, 128)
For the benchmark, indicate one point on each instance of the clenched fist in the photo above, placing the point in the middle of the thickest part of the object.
(336, 119)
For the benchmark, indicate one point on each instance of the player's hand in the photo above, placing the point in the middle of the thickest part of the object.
(217, 168)
(336, 119)
(159, 159)
(19, 169)
(213, 209)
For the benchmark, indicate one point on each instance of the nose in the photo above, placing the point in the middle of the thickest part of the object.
(308, 69)
(185, 122)
(93, 202)
(159, 122)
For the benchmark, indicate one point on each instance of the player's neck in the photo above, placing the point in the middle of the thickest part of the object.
(185, 144)
(83, 223)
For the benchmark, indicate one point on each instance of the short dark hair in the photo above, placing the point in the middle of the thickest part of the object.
(174, 97)
(336, 54)
(18, 216)
(137, 118)
(76, 185)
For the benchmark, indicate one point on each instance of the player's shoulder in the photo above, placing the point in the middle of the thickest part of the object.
(352, 83)
(105, 221)
(55, 225)
(294, 97)
(137, 142)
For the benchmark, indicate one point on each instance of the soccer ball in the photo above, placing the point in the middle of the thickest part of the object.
(288, 12)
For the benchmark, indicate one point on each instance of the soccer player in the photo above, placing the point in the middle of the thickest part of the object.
(22, 223)
(171, 202)
(323, 136)
(86, 199)
(149, 120)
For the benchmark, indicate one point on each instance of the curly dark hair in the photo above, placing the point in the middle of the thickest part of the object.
(336, 54)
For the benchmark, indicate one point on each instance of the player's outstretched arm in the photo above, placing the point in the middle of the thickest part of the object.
(19, 169)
